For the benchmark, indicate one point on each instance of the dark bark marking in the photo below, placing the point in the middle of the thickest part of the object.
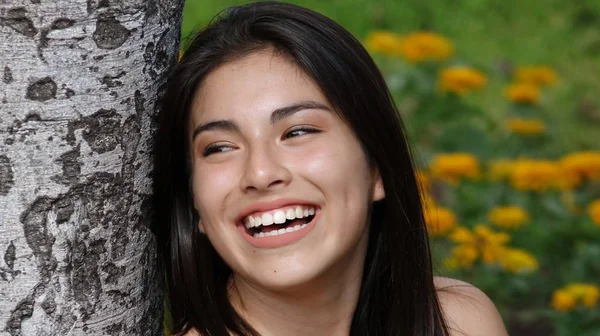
(117, 296)
(91, 5)
(6, 175)
(19, 22)
(71, 167)
(34, 226)
(42, 90)
(113, 273)
(49, 305)
(7, 78)
(10, 256)
(64, 209)
(139, 103)
(103, 131)
(32, 117)
(110, 33)
(69, 93)
(85, 281)
(118, 242)
(62, 23)
(36, 2)
(156, 56)
(22, 311)
(114, 329)
(151, 9)
(111, 81)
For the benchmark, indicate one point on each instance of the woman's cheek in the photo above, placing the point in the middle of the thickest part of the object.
(213, 182)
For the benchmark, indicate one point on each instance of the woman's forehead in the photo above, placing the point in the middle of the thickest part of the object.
(254, 84)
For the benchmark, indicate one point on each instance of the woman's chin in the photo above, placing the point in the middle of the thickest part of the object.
(280, 280)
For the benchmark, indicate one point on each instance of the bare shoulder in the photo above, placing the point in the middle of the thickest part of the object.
(468, 311)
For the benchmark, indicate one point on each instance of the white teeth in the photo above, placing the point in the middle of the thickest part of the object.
(267, 219)
(279, 232)
(279, 217)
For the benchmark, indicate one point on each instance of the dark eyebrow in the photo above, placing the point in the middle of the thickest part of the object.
(284, 112)
(277, 115)
(224, 125)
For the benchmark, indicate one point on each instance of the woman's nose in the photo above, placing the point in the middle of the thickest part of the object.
(264, 171)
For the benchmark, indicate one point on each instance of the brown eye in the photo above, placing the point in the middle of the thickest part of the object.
(216, 148)
(299, 131)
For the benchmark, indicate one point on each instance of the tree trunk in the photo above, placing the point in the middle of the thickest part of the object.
(78, 84)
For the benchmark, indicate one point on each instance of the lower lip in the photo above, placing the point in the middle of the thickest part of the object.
(279, 240)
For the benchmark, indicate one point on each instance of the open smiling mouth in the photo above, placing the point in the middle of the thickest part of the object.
(279, 222)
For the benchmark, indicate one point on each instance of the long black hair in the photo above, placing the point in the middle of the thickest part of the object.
(397, 295)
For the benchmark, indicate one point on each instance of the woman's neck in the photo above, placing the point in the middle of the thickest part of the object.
(324, 306)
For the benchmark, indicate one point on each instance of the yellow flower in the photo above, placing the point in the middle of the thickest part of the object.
(585, 164)
(535, 175)
(523, 93)
(425, 46)
(567, 179)
(490, 244)
(384, 42)
(499, 170)
(462, 235)
(461, 80)
(523, 126)
(439, 220)
(563, 301)
(453, 167)
(586, 293)
(566, 298)
(487, 244)
(517, 261)
(536, 75)
(508, 217)
(462, 256)
(593, 211)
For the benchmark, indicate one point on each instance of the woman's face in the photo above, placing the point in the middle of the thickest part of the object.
(281, 183)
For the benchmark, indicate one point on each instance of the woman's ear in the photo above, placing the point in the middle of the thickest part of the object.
(201, 226)
(196, 217)
(378, 190)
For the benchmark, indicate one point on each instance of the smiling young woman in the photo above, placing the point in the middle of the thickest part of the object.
(286, 201)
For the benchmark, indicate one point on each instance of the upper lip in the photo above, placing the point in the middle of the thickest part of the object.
(271, 205)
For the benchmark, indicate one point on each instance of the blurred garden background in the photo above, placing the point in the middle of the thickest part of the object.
(500, 99)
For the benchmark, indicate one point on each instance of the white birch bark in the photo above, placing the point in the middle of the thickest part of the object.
(78, 84)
